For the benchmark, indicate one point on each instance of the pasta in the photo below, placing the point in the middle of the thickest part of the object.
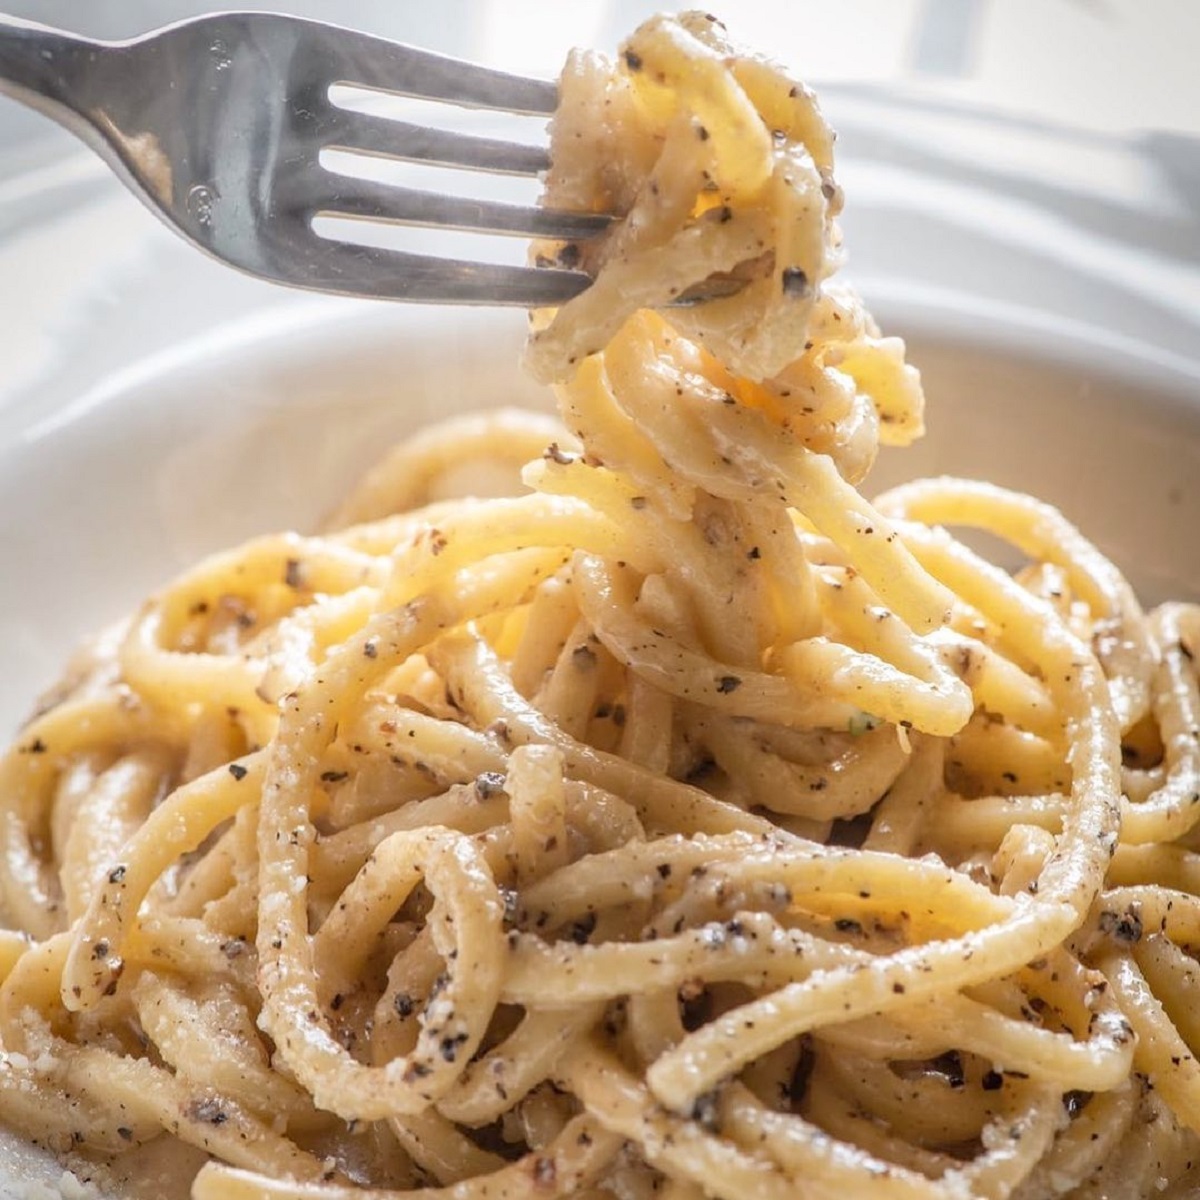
(683, 824)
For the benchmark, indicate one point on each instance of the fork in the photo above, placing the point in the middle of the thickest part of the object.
(218, 124)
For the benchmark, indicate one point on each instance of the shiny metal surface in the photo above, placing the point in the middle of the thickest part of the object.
(218, 123)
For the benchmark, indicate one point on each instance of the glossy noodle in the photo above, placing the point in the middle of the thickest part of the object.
(683, 825)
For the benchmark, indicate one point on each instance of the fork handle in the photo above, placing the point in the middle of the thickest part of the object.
(42, 67)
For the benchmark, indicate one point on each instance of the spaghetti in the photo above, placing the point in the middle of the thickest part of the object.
(685, 825)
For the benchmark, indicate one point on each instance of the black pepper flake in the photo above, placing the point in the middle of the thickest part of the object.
(992, 1081)
(1123, 927)
(100, 949)
(1074, 1102)
(116, 874)
(404, 1004)
(568, 255)
(557, 454)
(754, 553)
(125, 1133)
(702, 133)
(449, 1046)
(233, 948)
(337, 1001)
(37, 746)
(238, 771)
(245, 618)
(637, 502)
(728, 683)
(633, 61)
(794, 281)
(847, 925)
(950, 1066)
(208, 1111)
(370, 649)
(583, 658)
(488, 784)
(334, 776)
(293, 573)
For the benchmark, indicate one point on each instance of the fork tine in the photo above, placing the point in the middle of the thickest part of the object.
(382, 137)
(400, 275)
(360, 60)
(370, 200)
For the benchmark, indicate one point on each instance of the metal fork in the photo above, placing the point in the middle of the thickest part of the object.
(218, 124)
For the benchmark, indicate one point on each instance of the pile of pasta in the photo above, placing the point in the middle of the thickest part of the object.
(682, 825)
